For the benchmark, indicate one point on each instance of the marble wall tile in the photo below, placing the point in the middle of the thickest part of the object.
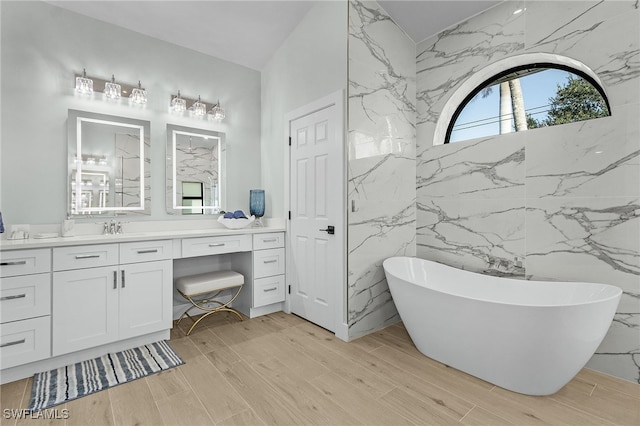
(482, 168)
(584, 239)
(449, 58)
(594, 158)
(485, 236)
(604, 35)
(381, 165)
(377, 230)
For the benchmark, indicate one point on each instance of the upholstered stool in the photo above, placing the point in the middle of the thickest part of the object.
(202, 289)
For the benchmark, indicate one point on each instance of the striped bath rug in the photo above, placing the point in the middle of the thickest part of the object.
(84, 378)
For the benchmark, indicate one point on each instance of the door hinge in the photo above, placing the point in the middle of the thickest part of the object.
(289, 214)
(289, 288)
(289, 140)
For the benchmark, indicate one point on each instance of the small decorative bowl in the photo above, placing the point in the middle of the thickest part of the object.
(236, 223)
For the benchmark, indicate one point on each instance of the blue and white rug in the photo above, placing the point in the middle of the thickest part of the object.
(75, 381)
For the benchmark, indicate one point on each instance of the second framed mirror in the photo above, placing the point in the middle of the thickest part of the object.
(195, 171)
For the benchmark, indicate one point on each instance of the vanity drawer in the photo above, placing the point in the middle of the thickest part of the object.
(79, 257)
(145, 251)
(268, 262)
(22, 262)
(268, 241)
(25, 341)
(23, 297)
(268, 290)
(205, 246)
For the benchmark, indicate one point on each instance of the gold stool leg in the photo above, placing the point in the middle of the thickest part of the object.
(210, 311)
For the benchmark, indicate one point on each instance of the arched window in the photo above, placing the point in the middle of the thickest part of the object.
(527, 97)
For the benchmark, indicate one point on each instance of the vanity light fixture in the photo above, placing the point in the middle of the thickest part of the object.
(103, 161)
(217, 112)
(199, 108)
(178, 104)
(91, 161)
(83, 83)
(139, 95)
(112, 90)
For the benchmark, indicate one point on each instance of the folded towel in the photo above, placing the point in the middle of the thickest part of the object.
(239, 214)
(228, 215)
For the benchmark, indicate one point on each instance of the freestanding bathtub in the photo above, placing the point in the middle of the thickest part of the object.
(530, 337)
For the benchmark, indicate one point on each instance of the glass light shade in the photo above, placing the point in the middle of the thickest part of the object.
(199, 108)
(103, 161)
(138, 95)
(112, 90)
(217, 112)
(178, 104)
(256, 204)
(91, 161)
(84, 84)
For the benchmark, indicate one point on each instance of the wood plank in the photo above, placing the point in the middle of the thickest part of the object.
(610, 382)
(307, 398)
(223, 358)
(613, 406)
(183, 408)
(479, 416)
(167, 383)
(358, 401)
(185, 348)
(133, 403)
(35, 419)
(422, 410)
(206, 341)
(353, 372)
(244, 418)
(516, 407)
(94, 409)
(217, 395)
(239, 332)
(12, 394)
(268, 404)
(286, 320)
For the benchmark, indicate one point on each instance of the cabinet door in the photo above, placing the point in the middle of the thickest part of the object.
(85, 308)
(146, 291)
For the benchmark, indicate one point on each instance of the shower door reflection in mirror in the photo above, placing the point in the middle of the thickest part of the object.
(195, 170)
(109, 165)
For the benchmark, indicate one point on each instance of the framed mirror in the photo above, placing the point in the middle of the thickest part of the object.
(108, 165)
(195, 171)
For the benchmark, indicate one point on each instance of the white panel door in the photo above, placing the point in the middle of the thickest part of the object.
(316, 200)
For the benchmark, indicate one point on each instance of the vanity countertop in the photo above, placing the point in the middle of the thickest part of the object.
(30, 243)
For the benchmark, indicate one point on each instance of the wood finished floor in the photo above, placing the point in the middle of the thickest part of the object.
(281, 370)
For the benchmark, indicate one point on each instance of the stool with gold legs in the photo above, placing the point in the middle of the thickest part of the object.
(201, 291)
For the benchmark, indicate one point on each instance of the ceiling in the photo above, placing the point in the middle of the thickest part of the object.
(249, 32)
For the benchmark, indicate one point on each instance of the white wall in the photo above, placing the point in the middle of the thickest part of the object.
(310, 64)
(42, 47)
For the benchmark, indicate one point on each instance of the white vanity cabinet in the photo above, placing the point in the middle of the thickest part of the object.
(25, 306)
(264, 291)
(108, 292)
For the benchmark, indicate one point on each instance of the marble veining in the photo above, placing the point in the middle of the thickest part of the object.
(558, 203)
(381, 148)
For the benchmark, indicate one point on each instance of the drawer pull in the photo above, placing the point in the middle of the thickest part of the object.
(14, 263)
(266, 290)
(15, 296)
(123, 278)
(270, 261)
(147, 251)
(17, 342)
(216, 245)
(87, 256)
(269, 240)
(115, 280)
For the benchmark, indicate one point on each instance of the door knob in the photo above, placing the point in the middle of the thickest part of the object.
(330, 230)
